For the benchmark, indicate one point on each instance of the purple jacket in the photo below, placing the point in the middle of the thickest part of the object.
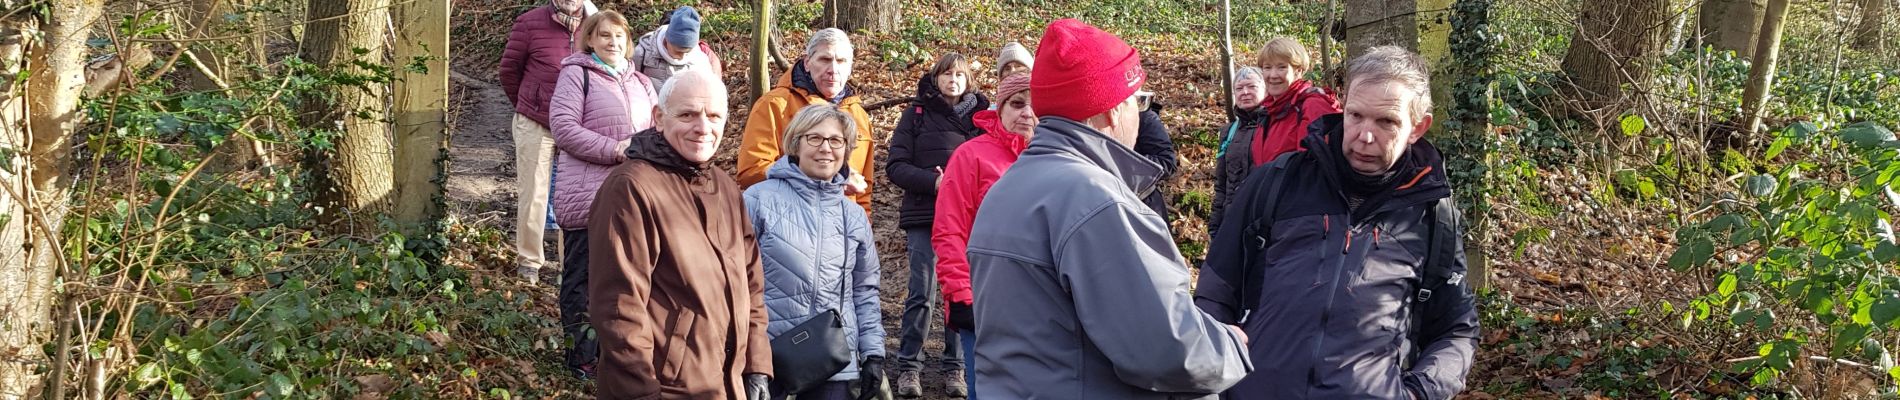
(532, 59)
(590, 129)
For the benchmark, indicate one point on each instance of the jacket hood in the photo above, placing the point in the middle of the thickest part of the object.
(786, 169)
(799, 80)
(1295, 93)
(649, 145)
(1056, 135)
(991, 122)
(930, 97)
(1420, 172)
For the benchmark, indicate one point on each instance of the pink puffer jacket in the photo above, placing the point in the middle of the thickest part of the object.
(591, 125)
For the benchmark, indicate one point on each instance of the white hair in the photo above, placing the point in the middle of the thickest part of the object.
(695, 75)
(828, 36)
(1396, 65)
(1248, 72)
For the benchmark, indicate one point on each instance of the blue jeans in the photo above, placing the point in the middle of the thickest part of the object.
(920, 308)
(968, 338)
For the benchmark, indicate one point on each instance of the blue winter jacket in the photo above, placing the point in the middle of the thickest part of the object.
(810, 237)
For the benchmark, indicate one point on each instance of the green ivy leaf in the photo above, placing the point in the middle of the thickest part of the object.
(1726, 286)
(1866, 134)
(1761, 185)
(1775, 149)
(1695, 253)
(1886, 309)
(280, 385)
(1801, 130)
(1633, 124)
(146, 375)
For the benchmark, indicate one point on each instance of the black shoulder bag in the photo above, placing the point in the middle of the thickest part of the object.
(810, 353)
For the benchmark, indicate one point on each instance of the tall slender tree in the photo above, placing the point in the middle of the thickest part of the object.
(356, 177)
(1761, 73)
(37, 119)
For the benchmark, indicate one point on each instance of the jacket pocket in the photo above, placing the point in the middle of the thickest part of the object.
(679, 347)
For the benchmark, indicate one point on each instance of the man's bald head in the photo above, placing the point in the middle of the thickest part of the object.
(692, 114)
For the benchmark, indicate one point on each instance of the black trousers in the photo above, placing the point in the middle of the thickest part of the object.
(583, 345)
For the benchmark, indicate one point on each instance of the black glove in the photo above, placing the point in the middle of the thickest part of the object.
(871, 382)
(757, 387)
(962, 317)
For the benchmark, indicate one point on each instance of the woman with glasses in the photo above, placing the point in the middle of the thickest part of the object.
(816, 246)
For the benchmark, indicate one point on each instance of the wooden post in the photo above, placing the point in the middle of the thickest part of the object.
(1761, 73)
(1227, 57)
(761, 49)
(421, 109)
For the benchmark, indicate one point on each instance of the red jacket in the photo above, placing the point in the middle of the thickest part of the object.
(1288, 116)
(974, 166)
(531, 61)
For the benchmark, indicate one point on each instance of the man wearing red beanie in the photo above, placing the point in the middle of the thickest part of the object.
(1079, 290)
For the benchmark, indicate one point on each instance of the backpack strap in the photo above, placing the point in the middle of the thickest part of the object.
(587, 80)
(1436, 275)
(1258, 233)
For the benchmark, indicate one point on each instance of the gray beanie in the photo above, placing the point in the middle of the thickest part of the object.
(682, 30)
(1014, 52)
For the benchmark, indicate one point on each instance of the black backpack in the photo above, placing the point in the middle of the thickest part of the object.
(1435, 275)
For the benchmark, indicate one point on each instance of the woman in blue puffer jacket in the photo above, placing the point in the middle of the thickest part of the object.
(817, 247)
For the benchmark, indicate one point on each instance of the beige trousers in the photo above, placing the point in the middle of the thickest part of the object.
(534, 156)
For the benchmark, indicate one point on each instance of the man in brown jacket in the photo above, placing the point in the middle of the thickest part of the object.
(677, 292)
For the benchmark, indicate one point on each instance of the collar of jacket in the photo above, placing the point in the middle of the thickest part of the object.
(1420, 179)
(786, 169)
(1058, 135)
(802, 81)
(991, 122)
(930, 97)
(651, 146)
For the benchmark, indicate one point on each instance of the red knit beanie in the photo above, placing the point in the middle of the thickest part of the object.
(1082, 71)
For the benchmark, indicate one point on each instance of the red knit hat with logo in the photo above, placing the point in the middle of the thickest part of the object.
(1082, 71)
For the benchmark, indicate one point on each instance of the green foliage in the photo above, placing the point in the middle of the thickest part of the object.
(207, 281)
(1807, 253)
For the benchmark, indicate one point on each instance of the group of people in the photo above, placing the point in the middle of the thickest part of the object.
(1035, 224)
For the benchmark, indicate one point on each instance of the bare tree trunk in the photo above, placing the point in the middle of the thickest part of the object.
(1761, 73)
(355, 178)
(38, 118)
(1616, 43)
(421, 112)
(761, 73)
(865, 15)
(1732, 25)
(1871, 33)
(1226, 56)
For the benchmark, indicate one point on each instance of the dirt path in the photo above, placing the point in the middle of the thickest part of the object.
(481, 183)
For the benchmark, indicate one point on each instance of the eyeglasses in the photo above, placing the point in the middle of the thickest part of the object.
(836, 142)
(1143, 99)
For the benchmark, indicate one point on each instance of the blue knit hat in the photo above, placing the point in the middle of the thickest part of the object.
(683, 30)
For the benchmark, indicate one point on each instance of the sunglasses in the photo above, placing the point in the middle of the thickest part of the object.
(1144, 99)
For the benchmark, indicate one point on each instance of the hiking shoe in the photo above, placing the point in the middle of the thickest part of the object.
(954, 384)
(530, 274)
(584, 372)
(909, 384)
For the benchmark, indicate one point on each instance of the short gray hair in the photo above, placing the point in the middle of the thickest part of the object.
(666, 89)
(1245, 72)
(828, 36)
(812, 115)
(1396, 65)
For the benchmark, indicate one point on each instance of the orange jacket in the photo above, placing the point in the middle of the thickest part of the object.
(759, 145)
